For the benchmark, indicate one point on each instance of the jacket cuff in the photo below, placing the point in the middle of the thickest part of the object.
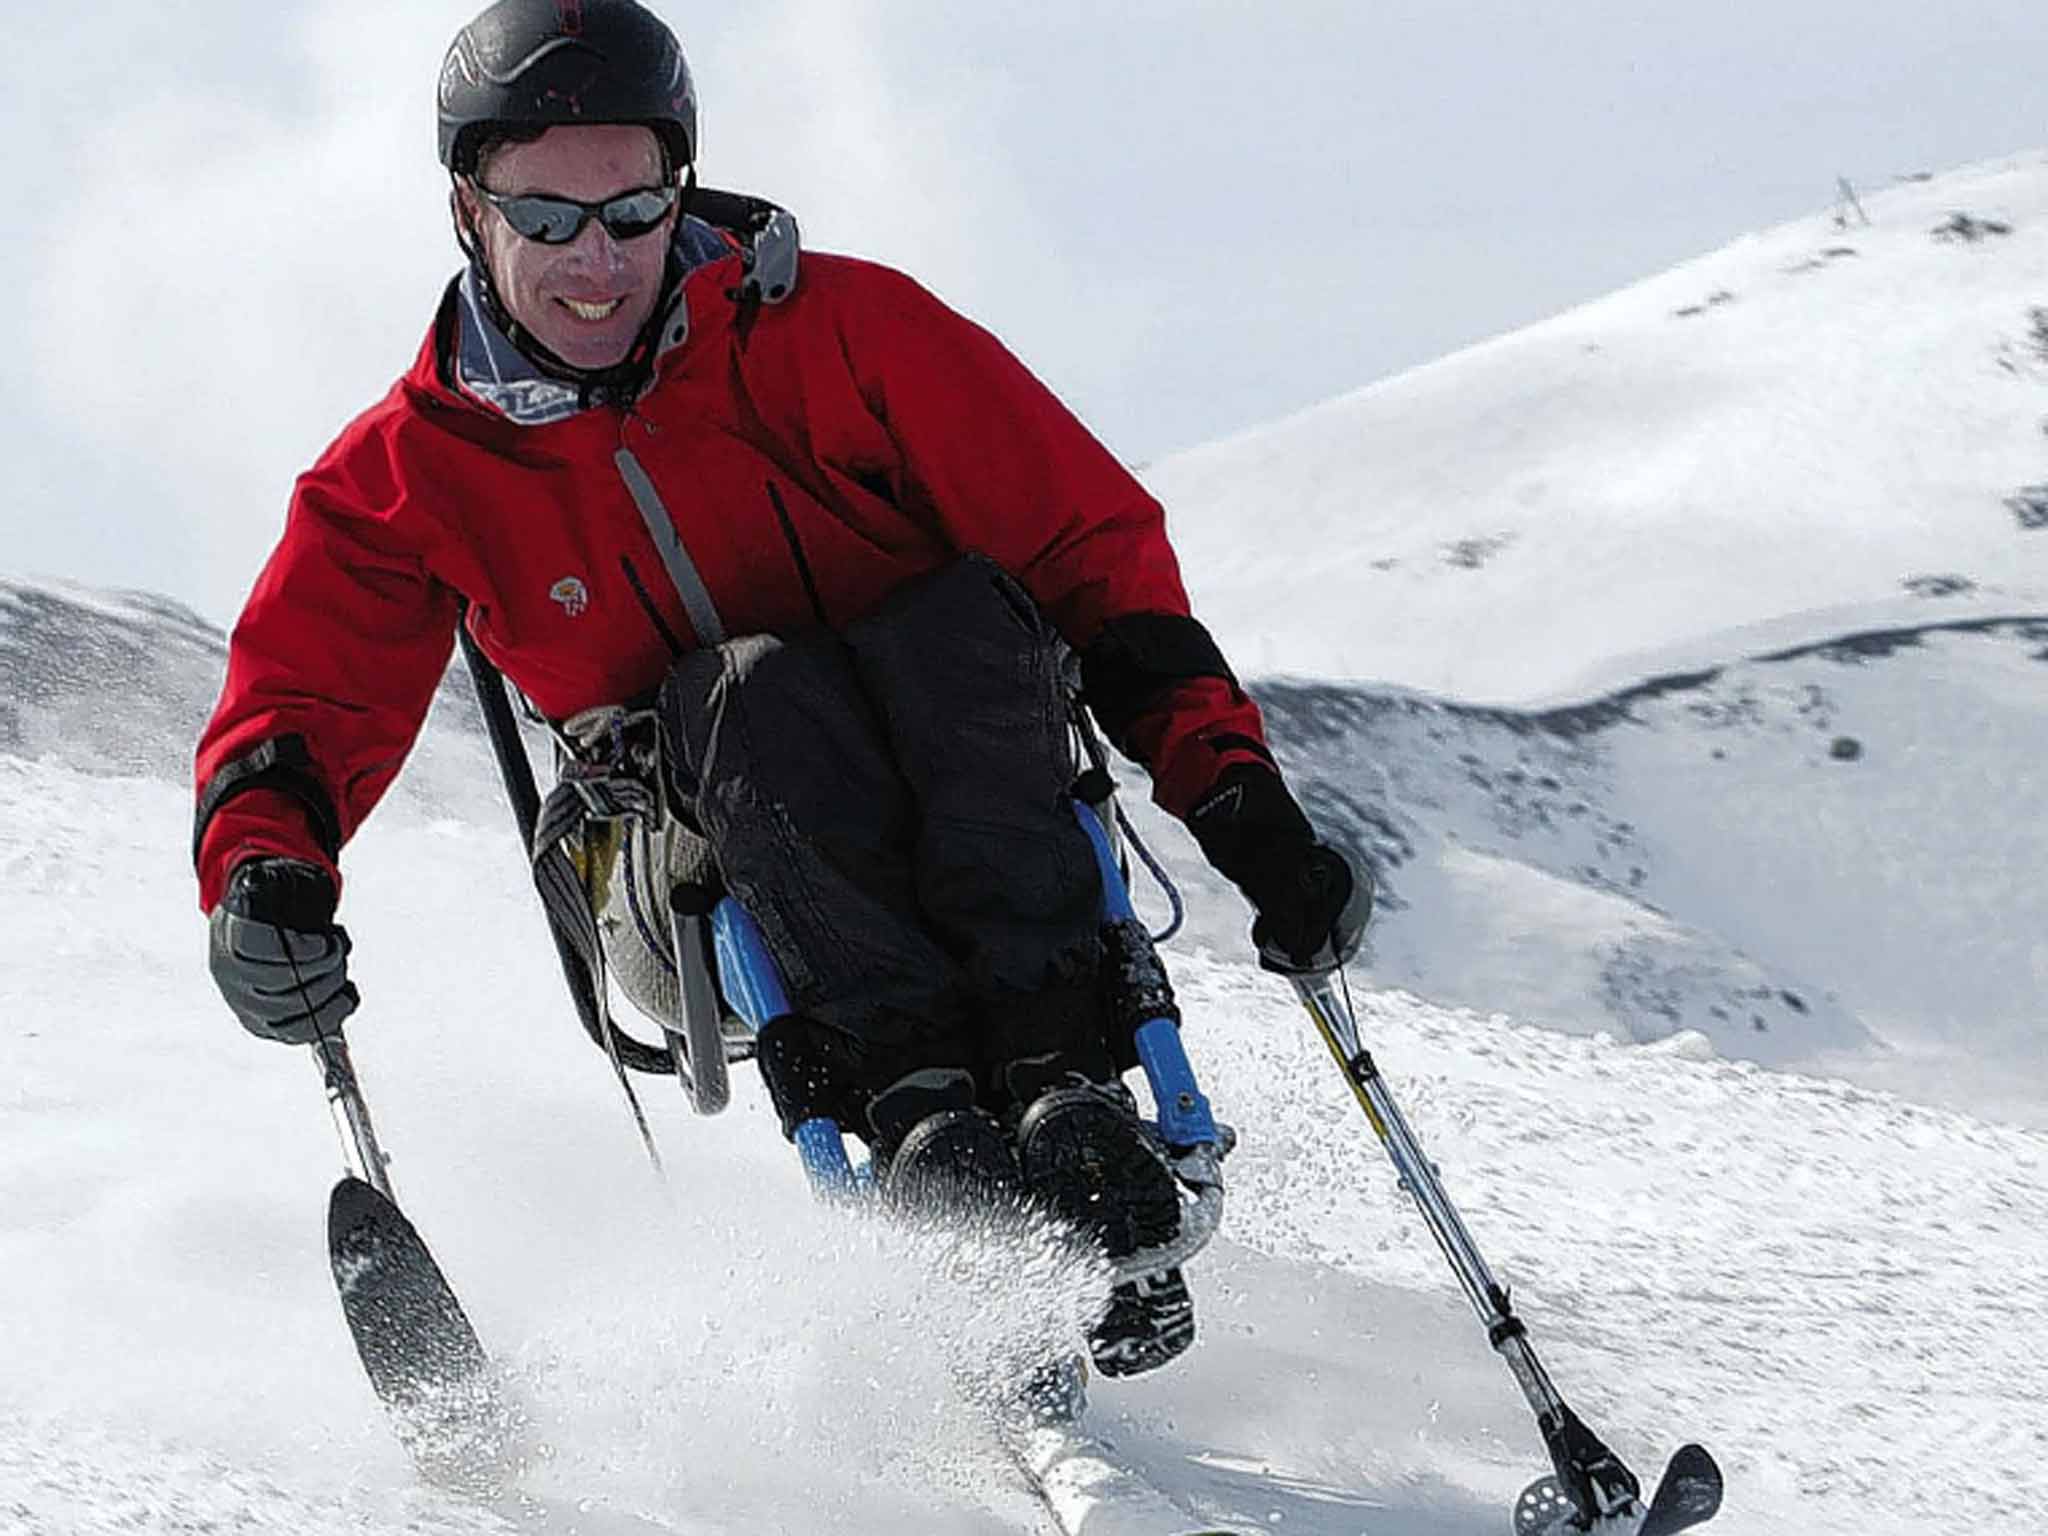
(1137, 661)
(1193, 735)
(264, 823)
(283, 763)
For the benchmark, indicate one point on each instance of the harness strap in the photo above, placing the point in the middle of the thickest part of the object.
(682, 570)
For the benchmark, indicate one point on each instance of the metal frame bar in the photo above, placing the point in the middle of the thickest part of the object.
(361, 1153)
(1193, 1142)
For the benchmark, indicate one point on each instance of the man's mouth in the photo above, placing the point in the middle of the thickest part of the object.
(583, 310)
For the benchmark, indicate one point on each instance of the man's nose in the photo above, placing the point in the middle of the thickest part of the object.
(594, 249)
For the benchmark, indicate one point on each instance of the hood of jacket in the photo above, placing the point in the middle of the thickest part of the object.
(486, 366)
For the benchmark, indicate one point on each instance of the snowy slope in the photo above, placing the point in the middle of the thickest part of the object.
(1829, 859)
(120, 682)
(1823, 1282)
(1699, 467)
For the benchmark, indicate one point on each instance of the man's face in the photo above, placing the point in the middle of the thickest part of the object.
(587, 300)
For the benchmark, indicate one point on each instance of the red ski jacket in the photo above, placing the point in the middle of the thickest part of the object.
(858, 428)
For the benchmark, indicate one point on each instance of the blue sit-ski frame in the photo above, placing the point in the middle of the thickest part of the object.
(753, 988)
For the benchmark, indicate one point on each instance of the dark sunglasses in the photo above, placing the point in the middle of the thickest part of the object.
(558, 220)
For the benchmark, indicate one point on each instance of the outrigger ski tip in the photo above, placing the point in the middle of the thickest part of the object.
(417, 1346)
(1688, 1495)
(416, 1343)
(411, 1331)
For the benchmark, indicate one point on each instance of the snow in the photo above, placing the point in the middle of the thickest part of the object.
(1823, 1282)
(1726, 1038)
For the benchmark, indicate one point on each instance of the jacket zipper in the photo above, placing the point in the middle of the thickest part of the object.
(668, 543)
(796, 550)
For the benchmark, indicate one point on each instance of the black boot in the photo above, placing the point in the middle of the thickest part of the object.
(937, 1153)
(1086, 1157)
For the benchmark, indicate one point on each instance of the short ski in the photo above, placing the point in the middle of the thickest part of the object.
(1088, 1492)
(532, 1515)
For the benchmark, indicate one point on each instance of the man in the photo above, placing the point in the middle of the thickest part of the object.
(838, 541)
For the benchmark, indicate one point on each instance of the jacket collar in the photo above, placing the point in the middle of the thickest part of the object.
(490, 370)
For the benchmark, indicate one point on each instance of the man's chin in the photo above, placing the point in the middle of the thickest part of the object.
(591, 347)
(586, 353)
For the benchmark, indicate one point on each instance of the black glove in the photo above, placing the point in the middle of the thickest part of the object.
(277, 955)
(1312, 902)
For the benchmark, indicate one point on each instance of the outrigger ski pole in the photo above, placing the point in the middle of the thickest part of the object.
(416, 1343)
(1592, 1491)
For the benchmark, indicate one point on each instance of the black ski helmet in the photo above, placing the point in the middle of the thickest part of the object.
(539, 63)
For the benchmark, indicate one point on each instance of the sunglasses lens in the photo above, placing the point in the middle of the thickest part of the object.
(551, 221)
(636, 213)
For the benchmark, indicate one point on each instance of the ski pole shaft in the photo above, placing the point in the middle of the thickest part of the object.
(1596, 1482)
(1320, 995)
(360, 1153)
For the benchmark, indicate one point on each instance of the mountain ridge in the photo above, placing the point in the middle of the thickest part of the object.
(1530, 516)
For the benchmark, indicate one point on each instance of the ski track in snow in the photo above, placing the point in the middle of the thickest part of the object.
(1828, 1285)
(57, 1480)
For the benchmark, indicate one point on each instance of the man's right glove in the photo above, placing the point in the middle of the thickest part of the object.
(277, 955)
(1312, 902)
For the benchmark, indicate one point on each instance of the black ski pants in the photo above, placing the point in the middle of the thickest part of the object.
(890, 804)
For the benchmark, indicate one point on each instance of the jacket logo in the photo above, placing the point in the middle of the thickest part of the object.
(572, 595)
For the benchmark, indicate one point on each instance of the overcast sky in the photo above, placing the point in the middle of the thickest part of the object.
(1190, 218)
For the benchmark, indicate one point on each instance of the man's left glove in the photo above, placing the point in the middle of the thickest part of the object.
(1312, 902)
(277, 954)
